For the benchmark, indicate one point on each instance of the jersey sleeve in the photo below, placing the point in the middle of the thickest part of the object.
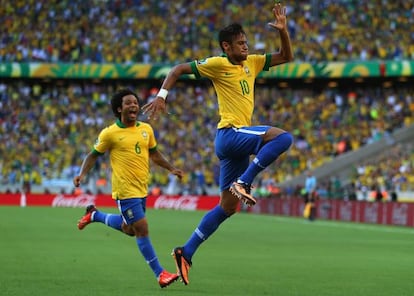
(260, 62)
(268, 59)
(207, 67)
(102, 144)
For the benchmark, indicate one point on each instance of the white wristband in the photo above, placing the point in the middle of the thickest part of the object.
(162, 93)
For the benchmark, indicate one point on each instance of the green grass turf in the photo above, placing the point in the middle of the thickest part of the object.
(43, 253)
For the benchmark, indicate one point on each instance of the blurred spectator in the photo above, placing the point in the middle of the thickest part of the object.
(310, 195)
(200, 180)
(172, 186)
(310, 186)
(378, 194)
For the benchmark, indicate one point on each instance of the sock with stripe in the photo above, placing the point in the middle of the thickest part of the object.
(208, 225)
(112, 220)
(146, 249)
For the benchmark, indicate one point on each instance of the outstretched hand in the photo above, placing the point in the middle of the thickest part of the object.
(76, 181)
(177, 172)
(280, 17)
(154, 108)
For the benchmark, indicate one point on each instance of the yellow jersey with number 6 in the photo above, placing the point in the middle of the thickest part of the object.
(129, 149)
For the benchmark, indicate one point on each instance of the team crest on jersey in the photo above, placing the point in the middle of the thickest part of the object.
(246, 69)
(144, 134)
(96, 142)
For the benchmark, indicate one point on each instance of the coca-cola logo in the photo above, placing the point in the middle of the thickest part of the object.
(81, 200)
(178, 203)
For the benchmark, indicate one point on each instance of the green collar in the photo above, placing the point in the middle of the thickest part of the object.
(121, 125)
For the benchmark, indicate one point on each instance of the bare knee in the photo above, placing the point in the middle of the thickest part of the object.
(272, 133)
(140, 227)
(127, 229)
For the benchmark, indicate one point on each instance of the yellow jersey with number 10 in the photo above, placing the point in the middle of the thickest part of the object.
(234, 85)
(129, 149)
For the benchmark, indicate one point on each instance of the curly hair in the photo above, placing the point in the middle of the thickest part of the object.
(116, 100)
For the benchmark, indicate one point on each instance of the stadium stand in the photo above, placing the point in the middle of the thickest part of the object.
(96, 31)
(43, 122)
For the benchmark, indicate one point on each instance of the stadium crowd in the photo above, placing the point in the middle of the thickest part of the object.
(388, 174)
(138, 31)
(42, 126)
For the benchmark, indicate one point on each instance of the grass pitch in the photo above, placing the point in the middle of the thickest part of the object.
(43, 253)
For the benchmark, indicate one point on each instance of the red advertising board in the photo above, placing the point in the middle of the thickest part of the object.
(387, 213)
(179, 202)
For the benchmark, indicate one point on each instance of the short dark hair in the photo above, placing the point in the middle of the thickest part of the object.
(116, 100)
(229, 33)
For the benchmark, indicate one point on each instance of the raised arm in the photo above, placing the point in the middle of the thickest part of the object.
(285, 54)
(157, 106)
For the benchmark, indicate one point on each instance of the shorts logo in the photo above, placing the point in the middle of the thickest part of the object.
(130, 214)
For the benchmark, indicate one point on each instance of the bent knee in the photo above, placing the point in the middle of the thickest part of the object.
(127, 229)
(286, 139)
(272, 133)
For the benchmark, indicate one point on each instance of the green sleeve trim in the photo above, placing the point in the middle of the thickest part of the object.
(97, 152)
(153, 149)
(267, 62)
(194, 69)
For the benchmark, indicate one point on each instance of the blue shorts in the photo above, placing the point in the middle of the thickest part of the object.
(132, 209)
(233, 147)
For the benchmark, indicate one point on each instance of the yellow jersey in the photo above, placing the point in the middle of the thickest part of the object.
(129, 149)
(234, 85)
